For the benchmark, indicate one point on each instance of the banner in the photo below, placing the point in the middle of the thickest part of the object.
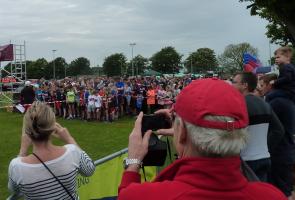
(6, 52)
(103, 184)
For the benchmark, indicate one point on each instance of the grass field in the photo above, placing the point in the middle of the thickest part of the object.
(97, 139)
(5, 99)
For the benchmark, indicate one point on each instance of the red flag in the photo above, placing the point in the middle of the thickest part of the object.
(6, 52)
(248, 68)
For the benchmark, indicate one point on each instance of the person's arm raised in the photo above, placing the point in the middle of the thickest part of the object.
(64, 135)
(25, 144)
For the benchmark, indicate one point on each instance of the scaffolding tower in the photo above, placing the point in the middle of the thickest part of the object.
(18, 67)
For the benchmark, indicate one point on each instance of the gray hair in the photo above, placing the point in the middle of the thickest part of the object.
(216, 142)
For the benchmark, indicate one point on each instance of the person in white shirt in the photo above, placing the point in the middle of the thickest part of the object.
(28, 176)
(97, 104)
(91, 105)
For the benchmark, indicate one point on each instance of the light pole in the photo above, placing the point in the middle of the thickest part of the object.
(53, 54)
(132, 45)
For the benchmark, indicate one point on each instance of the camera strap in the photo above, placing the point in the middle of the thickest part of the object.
(54, 176)
(143, 172)
(169, 149)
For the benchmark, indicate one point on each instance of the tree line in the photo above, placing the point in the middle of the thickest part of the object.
(281, 30)
(166, 61)
(281, 17)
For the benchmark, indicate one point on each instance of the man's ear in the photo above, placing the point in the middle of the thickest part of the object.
(183, 133)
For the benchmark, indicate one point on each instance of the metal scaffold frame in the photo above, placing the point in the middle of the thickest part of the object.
(18, 66)
(17, 70)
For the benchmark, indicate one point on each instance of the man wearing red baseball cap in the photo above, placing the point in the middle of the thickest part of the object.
(209, 131)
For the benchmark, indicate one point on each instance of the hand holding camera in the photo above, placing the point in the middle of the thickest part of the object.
(169, 114)
(157, 149)
(138, 144)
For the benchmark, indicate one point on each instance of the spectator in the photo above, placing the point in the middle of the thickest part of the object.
(168, 98)
(120, 87)
(64, 102)
(39, 95)
(58, 102)
(139, 102)
(151, 99)
(31, 179)
(127, 93)
(91, 106)
(70, 102)
(283, 156)
(284, 86)
(27, 95)
(265, 130)
(161, 94)
(264, 83)
(97, 104)
(82, 103)
(209, 131)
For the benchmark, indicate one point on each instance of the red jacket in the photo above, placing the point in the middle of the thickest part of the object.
(200, 179)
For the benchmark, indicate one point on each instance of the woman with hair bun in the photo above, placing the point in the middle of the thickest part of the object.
(50, 171)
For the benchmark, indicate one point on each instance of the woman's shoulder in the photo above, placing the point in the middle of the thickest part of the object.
(14, 162)
(72, 148)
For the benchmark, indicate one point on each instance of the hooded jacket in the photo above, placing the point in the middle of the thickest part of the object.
(198, 178)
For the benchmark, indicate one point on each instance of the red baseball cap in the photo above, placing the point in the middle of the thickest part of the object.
(212, 97)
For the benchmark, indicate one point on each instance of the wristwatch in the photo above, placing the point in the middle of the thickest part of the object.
(130, 161)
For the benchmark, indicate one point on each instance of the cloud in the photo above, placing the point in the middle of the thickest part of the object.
(97, 28)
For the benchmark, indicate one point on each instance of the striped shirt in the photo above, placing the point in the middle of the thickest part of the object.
(34, 181)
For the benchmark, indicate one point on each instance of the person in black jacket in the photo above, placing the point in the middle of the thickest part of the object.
(284, 86)
(265, 129)
(283, 156)
(27, 95)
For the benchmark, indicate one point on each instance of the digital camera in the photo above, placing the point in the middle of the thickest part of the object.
(157, 149)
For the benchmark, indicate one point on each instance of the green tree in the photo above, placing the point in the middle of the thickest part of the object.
(202, 60)
(7, 69)
(115, 64)
(231, 60)
(61, 67)
(166, 61)
(79, 66)
(280, 14)
(97, 71)
(37, 69)
(139, 64)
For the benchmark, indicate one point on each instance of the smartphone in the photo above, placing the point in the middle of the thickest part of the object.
(155, 122)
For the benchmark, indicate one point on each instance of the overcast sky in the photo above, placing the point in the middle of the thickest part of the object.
(98, 28)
